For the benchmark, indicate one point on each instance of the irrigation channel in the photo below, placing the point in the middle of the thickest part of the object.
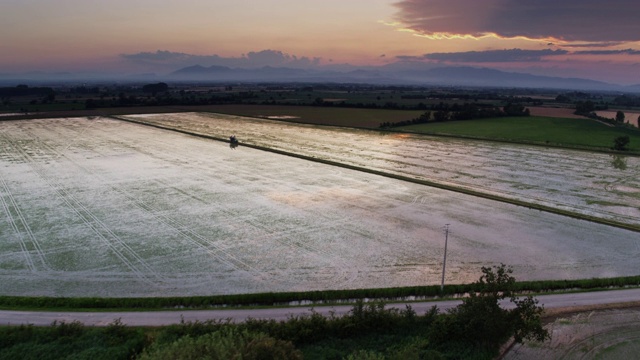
(102, 207)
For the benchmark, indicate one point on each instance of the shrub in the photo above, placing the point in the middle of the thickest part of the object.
(621, 142)
(228, 343)
(480, 322)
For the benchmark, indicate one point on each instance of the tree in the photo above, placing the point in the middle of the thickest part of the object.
(155, 88)
(585, 107)
(514, 109)
(441, 115)
(620, 143)
(481, 322)
(90, 104)
(620, 116)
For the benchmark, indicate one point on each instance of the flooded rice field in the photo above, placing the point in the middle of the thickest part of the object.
(108, 208)
(599, 185)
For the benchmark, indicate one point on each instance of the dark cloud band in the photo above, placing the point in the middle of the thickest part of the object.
(492, 56)
(568, 20)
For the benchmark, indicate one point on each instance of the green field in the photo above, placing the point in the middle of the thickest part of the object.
(563, 132)
(543, 130)
(334, 116)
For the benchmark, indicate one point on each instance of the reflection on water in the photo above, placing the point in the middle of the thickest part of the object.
(277, 223)
(556, 178)
(619, 162)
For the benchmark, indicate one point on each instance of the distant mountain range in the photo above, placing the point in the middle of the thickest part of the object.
(411, 75)
(400, 73)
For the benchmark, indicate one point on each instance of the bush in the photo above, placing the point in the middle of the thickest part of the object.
(228, 343)
(480, 322)
(620, 143)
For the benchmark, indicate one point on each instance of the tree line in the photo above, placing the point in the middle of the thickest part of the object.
(466, 111)
(25, 90)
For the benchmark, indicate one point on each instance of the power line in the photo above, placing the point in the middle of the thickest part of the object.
(444, 262)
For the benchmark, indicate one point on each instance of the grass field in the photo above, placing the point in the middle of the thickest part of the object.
(543, 130)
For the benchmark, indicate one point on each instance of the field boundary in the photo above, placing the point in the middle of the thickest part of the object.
(310, 298)
(596, 149)
(429, 183)
(123, 111)
(519, 142)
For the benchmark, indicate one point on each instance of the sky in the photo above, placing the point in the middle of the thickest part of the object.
(591, 39)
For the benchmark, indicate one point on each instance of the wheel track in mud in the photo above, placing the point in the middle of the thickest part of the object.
(25, 224)
(27, 228)
(61, 191)
(348, 275)
(595, 347)
(194, 238)
(611, 186)
(78, 208)
(180, 228)
(11, 221)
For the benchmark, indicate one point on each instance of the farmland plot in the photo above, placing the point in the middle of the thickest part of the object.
(630, 116)
(598, 185)
(107, 208)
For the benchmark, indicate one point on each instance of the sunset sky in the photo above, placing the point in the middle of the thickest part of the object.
(592, 39)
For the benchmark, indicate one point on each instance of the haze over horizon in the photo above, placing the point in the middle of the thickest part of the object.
(588, 39)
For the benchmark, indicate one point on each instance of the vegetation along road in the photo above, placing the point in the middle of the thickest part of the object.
(552, 303)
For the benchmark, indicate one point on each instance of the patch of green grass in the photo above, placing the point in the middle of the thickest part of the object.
(542, 130)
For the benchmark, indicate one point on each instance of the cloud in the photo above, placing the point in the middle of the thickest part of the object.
(277, 58)
(566, 20)
(511, 56)
(593, 45)
(254, 59)
(495, 56)
(608, 52)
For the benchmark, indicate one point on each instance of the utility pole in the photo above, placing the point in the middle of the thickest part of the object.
(444, 262)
